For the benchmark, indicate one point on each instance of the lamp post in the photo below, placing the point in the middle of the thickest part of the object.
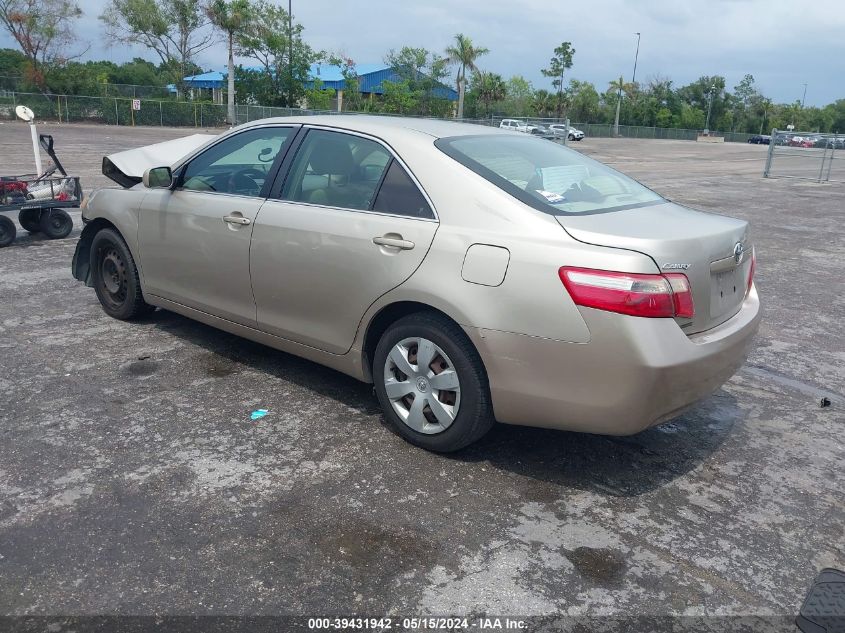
(709, 108)
(636, 56)
(290, 55)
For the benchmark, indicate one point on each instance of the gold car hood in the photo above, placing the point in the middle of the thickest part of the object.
(128, 167)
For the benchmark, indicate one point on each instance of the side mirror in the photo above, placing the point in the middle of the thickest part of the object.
(158, 178)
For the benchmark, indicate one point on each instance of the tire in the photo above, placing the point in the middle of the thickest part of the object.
(571, 137)
(7, 231)
(56, 223)
(30, 220)
(115, 277)
(467, 414)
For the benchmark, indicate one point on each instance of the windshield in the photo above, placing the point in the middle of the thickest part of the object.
(547, 175)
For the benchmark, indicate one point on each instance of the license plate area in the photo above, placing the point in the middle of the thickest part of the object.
(726, 291)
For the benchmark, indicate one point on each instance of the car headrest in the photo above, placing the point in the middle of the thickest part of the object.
(331, 156)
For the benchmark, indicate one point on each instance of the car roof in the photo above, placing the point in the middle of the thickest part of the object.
(384, 125)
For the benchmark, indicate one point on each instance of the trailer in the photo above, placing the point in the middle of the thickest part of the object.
(39, 200)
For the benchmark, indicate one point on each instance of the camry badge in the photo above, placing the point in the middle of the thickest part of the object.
(676, 266)
(739, 250)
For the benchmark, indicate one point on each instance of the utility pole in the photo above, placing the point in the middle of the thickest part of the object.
(290, 55)
(709, 107)
(636, 56)
(804, 96)
(560, 94)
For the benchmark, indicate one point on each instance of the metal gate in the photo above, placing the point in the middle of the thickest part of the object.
(806, 155)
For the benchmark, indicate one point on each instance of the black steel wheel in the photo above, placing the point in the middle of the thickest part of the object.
(56, 223)
(30, 220)
(115, 276)
(7, 231)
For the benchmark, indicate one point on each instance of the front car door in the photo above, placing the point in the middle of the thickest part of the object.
(349, 225)
(195, 238)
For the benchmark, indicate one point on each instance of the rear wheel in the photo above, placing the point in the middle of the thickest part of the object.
(431, 383)
(56, 223)
(30, 220)
(115, 276)
(7, 231)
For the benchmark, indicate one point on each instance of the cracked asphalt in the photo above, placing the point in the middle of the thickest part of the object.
(133, 481)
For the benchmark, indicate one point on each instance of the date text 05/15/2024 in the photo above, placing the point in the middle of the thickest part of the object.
(417, 624)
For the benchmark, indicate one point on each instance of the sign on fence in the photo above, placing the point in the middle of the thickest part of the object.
(136, 104)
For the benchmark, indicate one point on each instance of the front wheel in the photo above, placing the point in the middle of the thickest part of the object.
(115, 276)
(431, 383)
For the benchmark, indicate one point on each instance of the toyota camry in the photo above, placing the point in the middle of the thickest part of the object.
(472, 274)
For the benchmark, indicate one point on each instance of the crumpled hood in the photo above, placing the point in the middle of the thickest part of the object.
(128, 167)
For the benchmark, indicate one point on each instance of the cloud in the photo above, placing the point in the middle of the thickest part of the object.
(783, 43)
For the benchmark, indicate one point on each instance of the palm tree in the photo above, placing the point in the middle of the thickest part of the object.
(465, 54)
(619, 86)
(543, 102)
(229, 17)
(490, 87)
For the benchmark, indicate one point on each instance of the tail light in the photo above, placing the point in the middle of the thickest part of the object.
(668, 295)
(751, 270)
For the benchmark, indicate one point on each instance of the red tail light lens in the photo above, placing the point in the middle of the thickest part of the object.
(751, 270)
(635, 294)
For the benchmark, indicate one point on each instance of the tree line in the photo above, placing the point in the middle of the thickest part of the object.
(176, 32)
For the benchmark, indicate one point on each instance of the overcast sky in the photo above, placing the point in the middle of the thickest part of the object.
(783, 43)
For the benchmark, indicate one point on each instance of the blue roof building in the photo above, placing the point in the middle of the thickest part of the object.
(371, 78)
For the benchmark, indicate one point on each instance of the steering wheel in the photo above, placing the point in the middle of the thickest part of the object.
(244, 181)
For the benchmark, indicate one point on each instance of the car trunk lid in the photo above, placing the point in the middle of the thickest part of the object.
(711, 250)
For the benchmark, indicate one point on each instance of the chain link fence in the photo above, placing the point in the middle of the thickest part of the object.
(607, 130)
(120, 110)
(806, 156)
(139, 111)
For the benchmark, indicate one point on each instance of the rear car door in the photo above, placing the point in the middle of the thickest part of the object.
(347, 224)
(195, 238)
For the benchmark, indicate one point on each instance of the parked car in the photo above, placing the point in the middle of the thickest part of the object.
(539, 129)
(561, 129)
(517, 125)
(760, 139)
(471, 274)
(802, 141)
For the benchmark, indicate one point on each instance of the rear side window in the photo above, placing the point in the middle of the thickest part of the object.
(400, 196)
(336, 170)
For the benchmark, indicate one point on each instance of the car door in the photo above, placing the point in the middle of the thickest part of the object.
(349, 225)
(195, 237)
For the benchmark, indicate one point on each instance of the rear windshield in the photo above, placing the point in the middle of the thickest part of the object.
(547, 175)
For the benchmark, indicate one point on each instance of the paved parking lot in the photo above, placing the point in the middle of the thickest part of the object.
(132, 479)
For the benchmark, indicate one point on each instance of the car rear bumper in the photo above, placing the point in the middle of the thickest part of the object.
(634, 373)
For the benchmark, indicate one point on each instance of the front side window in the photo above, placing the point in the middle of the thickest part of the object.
(337, 170)
(238, 165)
(547, 175)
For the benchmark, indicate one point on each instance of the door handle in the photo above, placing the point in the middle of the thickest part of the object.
(394, 242)
(236, 219)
